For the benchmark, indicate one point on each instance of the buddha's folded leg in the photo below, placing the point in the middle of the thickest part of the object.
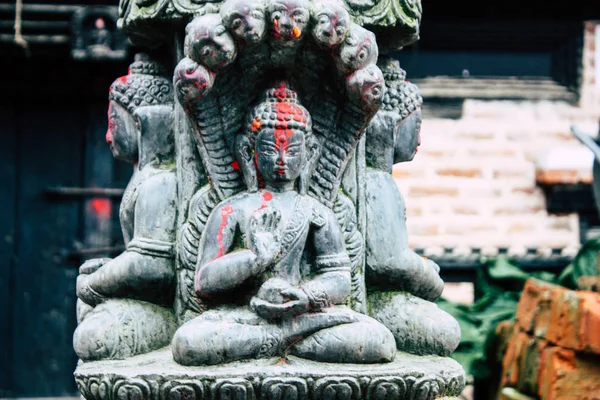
(418, 326)
(82, 310)
(363, 342)
(206, 342)
(118, 329)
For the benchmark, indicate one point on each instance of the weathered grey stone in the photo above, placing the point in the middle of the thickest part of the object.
(395, 22)
(393, 136)
(140, 118)
(155, 375)
(260, 250)
(418, 326)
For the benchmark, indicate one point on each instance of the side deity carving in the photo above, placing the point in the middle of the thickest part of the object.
(124, 304)
(262, 222)
(402, 284)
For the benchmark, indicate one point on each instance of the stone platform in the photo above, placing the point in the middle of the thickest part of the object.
(157, 376)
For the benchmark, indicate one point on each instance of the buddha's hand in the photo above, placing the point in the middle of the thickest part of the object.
(277, 299)
(264, 236)
(91, 266)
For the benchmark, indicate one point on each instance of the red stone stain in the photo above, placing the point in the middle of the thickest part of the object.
(101, 207)
(225, 213)
(235, 165)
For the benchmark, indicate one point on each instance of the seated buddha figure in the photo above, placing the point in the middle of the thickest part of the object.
(272, 265)
(393, 136)
(124, 305)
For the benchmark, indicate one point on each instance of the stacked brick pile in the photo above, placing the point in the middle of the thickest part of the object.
(473, 182)
(553, 348)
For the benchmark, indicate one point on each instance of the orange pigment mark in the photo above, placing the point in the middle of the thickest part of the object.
(256, 124)
(225, 213)
(297, 32)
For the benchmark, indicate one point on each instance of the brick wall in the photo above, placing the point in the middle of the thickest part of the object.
(473, 182)
(590, 89)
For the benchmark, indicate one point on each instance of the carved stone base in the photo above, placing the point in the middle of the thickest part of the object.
(157, 376)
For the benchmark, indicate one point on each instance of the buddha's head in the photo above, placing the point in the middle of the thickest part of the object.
(331, 22)
(245, 19)
(402, 103)
(290, 18)
(208, 42)
(130, 97)
(278, 144)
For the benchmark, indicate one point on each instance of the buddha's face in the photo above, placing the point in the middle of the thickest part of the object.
(121, 135)
(408, 137)
(289, 17)
(209, 43)
(331, 24)
(245, 20)
(280, 154)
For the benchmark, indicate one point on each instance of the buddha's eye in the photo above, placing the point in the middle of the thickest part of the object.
(236, 23)
(269, 152)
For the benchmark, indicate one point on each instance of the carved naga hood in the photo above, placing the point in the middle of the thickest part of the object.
(395, 22)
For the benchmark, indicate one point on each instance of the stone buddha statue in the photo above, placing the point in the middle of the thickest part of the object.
(272, 265)
(393, 136)
(124, 304)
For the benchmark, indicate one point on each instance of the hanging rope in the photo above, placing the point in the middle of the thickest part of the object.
(19, 40)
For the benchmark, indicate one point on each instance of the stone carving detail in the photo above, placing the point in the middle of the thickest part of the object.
(357, 386)
(284, 389)
(337, 388)
(225, 389)
(122, 312)
(261, 210)
(403, 284)
(397, 21)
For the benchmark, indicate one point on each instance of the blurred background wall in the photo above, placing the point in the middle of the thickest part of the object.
(497, 172)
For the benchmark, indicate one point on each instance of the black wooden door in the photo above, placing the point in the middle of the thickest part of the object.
(52, 123)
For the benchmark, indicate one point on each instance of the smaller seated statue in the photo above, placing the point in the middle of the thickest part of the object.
(124, 305)
(393, 136)
(272, 265)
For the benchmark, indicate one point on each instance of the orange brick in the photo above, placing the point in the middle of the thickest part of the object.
(563, 176)
(533, 310)
(460, 172)
(564, 375)
(504, 332)
(512, 359)
(591, 283)
(423, 191)
(575, 321)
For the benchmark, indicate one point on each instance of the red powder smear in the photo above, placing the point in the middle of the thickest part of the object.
(235, 165)
(267, 196)
(225, 213)
(101, 207)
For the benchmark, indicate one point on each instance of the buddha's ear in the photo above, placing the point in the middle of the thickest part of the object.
(155, 124)
(245, 159)
(313, 151)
